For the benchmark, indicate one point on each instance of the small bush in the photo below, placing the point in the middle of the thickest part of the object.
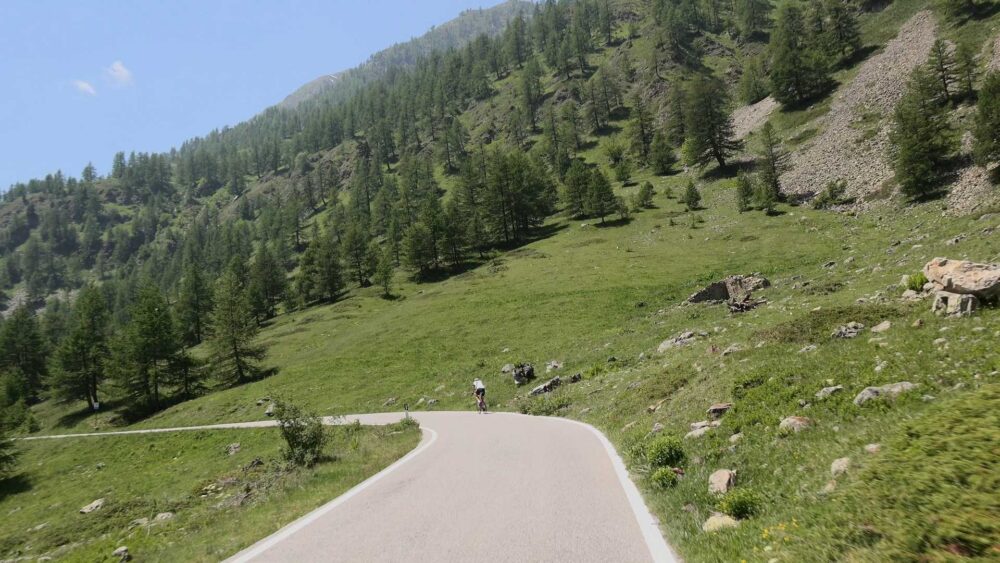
(663, 478)
(303, 433)
(665, 451)
(742, 503)
(917, 281)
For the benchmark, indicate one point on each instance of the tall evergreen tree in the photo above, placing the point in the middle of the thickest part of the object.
(145, 353)
(798, 71)
(986, 128)
(661, 154)
(773, 160)
(708, 124)
(194, 304)
(23, 353)
(83, 355)
(601, 200)
(268, 284)
(744, 192)
(942, 65)
(234, 356)
(691, 198)
(921, 137)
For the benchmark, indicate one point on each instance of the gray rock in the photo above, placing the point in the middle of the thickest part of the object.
(389, 402)
(954, 304)
(840, 466)
(683, 339)
(850, 330)
(96, 505)
(657, 428)
(719, 409)
(546, 387)
(736, 438)
(121, 553)
(139, 522)
(270, 410)
(697, 433)
(891, 391)
(721, 481)
(827, 391)
(163, 517)
(507, 368)
(794, 424)
(882, 327)
(553, 365)
(719, 522)
(576, 378)
(873, 448)
(233, 449)
(807, 349)
(705, 424)
(431, 402)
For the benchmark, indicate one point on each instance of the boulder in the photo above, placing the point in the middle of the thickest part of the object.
(121, 553)
(794, 424)
(954, 304)
(657, 428)
(507, 368)
(881, 327)
(733, 288)
(270, 410)
(576, 378)
(735, 438)
(705, 424)
(697, 433)
(718, 522)
(233, 449)
(682, 339)
(721, 481)
(96, 505)
(553, 365)
(163, 517)
(840, 466)
(431, 402)
(547, 386)
(964, 277)
(719, 409)
(891, 390)
(873, 448)
(139, 522)
(850, 330)
(389, 402)
(827, 391)
(523, 373)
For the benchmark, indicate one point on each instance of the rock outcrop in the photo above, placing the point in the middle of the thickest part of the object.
(891, 391)
(733, 288)
(964, 278)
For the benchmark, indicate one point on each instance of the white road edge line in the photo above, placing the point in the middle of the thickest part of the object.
(648, 524)
(284, 533)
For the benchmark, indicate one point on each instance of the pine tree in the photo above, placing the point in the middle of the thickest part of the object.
(600, 200)
(145, 353)
(773, 160)
(82, 356)
(921, 137)
(576, 185)
(751, 17)
(355, 248)
(708, 124)
(986, 127)
(385, 271)
(753, 86)
(418, 249)
(798, 71)
(8, 455)
(640, 129)
(691, 198)
(193, 304)
(942, 65)
(842, 30)
(676, 116)
(744, 192)
(268, 284)
(661, 154)
(966, 69)
(23, 353)
(233, 355)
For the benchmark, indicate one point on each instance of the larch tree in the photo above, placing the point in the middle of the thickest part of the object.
(83, 354)
(234, 356)
(708, 124)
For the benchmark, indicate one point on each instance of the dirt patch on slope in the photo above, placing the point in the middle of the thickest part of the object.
(854, 142)
(748, 119)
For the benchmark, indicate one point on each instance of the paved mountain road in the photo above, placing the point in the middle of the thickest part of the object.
(495, 487)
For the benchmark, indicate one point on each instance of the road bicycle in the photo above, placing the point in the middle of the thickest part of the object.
(481, 403)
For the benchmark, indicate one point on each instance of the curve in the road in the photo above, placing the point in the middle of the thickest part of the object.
(499, 487)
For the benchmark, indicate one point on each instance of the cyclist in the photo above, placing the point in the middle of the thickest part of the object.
(480, 393)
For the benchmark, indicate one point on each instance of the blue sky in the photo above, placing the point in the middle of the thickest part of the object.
(80, 80)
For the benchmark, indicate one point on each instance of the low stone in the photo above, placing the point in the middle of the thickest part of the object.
(233, 449)
(657, 428)
(830, 264)
(891, 391)
(719, 409)
(163, 517)
(389, 402)
(653, 408)
(547, 386)
(721, 481)
(840, 466)
(698, 433)
(807, 349)
(881, 327)
(270, 410)
(850, 330)
(829, 487)
(576, 378)
(139, 522)
(736, 438)
(954, 304)
(718, 522)
(507, 368)
(121, 553)
(731, 349)
(873, 448)
(629, 425)
(612, 359)
(705, 424)
(96, 505)
(553, 365)
(910, 295)
(683, 339)
(432, 402)
(827, 391)
(918, 323)
(794, 424)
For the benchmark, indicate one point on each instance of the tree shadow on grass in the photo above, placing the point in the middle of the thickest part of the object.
(609, 223)
(14, 485)
(74, 418)
(730, 170)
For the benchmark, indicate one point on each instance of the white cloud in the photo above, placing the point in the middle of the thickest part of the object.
(85, 87)
(119, 74)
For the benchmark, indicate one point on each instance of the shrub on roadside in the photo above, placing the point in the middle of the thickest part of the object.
(303, 433)
(663, 478)
(665, 451)
(741, 503)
